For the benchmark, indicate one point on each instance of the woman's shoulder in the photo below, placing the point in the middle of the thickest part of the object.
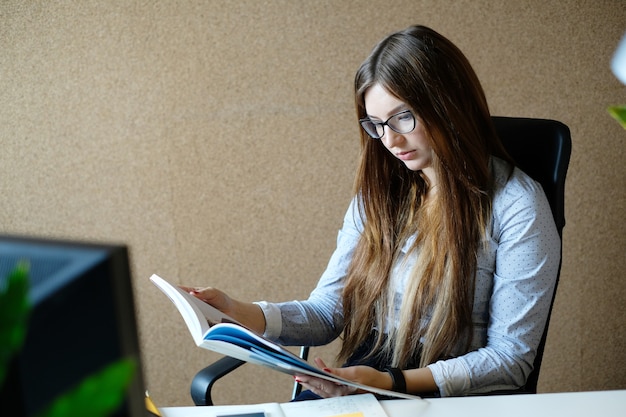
(511, 179)
(514, 187)
(520, 208)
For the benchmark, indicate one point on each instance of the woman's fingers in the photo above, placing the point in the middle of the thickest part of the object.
(322, 387)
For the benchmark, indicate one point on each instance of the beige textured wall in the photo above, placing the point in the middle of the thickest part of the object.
(218, 140)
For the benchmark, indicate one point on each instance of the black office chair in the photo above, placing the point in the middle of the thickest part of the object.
(542, 149)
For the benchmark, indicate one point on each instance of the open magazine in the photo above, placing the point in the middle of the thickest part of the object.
(213, 330)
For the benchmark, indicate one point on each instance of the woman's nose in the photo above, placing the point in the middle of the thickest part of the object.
(391, 138)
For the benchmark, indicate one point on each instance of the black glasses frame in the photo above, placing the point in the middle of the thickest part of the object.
(363, 122)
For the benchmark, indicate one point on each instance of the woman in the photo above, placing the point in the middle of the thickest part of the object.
(447, 259)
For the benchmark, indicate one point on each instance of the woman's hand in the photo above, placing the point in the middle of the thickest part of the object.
(362, 374)
(214, 297)
(248, 314)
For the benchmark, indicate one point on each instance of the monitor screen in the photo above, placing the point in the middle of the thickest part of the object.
(82, 319)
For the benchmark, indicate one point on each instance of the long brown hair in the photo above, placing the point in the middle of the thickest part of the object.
(432, 76)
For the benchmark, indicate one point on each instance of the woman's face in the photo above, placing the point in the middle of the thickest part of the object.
(412, 148)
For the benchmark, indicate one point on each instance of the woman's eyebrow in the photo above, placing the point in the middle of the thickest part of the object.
(399, 108)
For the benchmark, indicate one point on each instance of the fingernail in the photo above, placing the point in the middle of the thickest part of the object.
(328, 370)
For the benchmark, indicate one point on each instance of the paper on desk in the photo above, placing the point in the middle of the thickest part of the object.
(360, 405)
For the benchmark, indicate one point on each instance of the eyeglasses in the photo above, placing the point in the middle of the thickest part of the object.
(403, 122)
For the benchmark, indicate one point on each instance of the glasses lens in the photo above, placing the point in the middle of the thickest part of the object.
(403, 122)
(375, 131)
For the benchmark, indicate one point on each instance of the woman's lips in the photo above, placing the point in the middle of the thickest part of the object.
(405, 156)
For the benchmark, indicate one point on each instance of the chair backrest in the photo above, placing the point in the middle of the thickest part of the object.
(542, 149)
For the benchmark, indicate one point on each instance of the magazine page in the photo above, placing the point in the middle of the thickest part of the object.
(362, 405)
(198, 315)
(249, 340)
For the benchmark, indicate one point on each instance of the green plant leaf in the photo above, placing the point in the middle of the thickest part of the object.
(14, 311)
(619, 114)
(99, 395)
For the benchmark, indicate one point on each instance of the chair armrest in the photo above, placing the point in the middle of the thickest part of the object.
(203, 381)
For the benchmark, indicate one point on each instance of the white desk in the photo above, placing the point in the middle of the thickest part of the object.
(574, 404)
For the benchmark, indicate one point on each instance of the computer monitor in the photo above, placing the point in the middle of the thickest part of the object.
(82, 319)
